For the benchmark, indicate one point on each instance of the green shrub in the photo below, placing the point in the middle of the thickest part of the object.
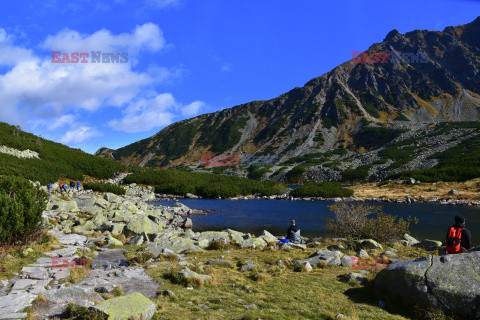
(104, 187)
(358, 174)
(21, 207)
(359, 221)
(323, 189)
(203, 184)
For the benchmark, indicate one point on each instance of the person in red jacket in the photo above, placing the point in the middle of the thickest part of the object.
(459, 239)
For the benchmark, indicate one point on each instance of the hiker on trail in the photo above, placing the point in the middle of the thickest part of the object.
(72, 185)
(65, 187)
(78, 185)
(49, 188)
(293, 233)
(133, 170)
(459, 239)
(61, 187)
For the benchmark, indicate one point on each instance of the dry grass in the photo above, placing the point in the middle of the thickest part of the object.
(277, 291)
(13, 259)
(469, 190)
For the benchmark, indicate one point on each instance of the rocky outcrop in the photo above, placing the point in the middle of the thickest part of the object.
(450, 283)
(25, 154)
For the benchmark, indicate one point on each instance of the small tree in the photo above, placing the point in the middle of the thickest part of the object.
(21, 207)
(359, 221)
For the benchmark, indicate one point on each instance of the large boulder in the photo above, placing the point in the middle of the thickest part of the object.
(141, 223)
(134, 305)
(173, 243)
(449, 282)
(62, 205)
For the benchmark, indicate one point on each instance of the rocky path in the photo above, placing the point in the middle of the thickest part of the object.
(44, 278)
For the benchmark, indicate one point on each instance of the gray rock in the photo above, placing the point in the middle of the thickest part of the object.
(325, 256)
(356, 277)
(72, 239)
(304, 264)
(409, 241)
(16, 302)
(38, 273)
(363, 254)
(449, 282)
(454, 192)
(71, 295)
(369, 244)
(268, 237)
(346, 261)
(429, 245)
(187, 224)
(22, 284)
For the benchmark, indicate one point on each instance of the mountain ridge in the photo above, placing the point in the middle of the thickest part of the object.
(430, 77)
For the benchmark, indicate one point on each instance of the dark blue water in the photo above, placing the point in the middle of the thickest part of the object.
(254, 216)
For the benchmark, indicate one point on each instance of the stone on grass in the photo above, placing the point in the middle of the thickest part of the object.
(268, 237)
(356, 277)
(188, 274)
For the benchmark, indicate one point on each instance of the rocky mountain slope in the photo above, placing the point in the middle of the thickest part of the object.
(393, 92)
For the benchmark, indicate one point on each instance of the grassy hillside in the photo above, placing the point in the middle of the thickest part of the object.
(56, 160)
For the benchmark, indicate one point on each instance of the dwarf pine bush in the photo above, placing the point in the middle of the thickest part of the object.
(21, 207)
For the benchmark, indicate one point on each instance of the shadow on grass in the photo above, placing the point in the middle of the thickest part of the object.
(365, 295)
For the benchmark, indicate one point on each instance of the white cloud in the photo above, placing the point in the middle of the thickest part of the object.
(52, 97)
(161, 4)
(192, 109)
(34, 90)
(79, 134)
(144, 37)
(10, 54)
(147, 114)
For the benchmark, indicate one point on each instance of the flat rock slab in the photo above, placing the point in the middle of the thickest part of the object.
(131, 280)
(23, 284)
(70, 295)
(72, 239)
(127, 307)
(16, 302)
(65, 252)
(38, 273)
(11, 316)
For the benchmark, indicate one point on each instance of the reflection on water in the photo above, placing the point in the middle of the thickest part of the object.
(253, 216)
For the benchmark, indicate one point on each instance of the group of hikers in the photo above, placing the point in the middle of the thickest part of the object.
(64, 187)
(458, 240)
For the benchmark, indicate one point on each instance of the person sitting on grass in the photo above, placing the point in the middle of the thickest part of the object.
(458, 239)
(293, 233)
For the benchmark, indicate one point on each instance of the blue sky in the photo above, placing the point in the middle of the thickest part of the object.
(185, 57)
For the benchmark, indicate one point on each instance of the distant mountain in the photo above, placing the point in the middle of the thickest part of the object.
(343, 119)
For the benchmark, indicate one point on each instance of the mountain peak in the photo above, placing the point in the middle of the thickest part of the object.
(391, 35)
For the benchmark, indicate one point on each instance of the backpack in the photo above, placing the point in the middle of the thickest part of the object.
(454, 238)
